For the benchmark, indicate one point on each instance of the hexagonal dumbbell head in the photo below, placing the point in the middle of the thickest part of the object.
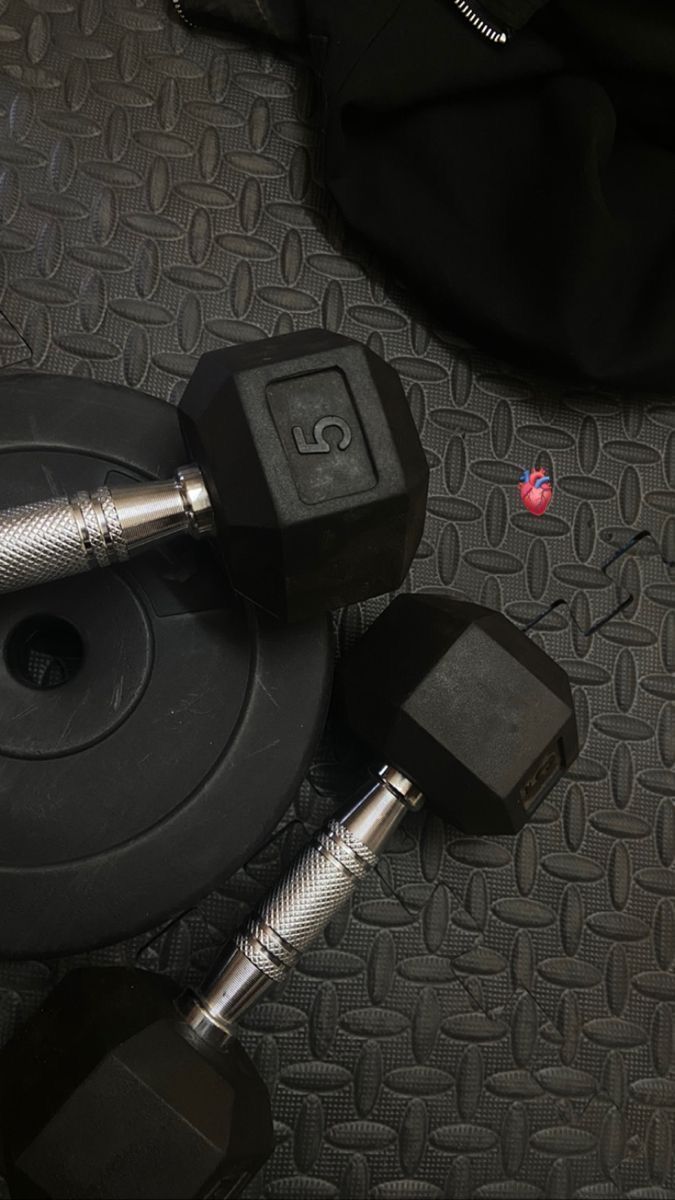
(103, 1093)
(462, 702)
(314, 467)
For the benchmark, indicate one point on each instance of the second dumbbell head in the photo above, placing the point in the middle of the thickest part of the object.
(463, 703)
(315, 471)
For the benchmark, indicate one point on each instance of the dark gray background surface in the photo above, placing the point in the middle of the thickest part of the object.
(493, 1018)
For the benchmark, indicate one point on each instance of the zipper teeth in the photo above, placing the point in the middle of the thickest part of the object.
(479, 23)
(181, 13)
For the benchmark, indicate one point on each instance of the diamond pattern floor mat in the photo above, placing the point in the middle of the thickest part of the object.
(493, 1018)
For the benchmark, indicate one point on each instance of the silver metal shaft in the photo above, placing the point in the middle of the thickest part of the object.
(300, 906)
(67, 536)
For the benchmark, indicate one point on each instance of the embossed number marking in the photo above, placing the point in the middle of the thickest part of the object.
(319, 445)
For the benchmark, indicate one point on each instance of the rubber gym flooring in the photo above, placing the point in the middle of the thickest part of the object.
(493, 1018)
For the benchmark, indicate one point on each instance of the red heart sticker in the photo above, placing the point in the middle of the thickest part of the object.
(535, 490)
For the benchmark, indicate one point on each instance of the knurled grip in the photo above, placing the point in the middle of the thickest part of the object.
(305, 900)
(55, 538)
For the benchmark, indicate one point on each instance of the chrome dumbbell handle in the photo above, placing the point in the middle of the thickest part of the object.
(300, 906)
(67, 536)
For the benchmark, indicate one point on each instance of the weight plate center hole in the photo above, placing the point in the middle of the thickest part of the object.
(44, 652)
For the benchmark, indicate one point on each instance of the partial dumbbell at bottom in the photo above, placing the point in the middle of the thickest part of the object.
(309, 474)
(117, 1087)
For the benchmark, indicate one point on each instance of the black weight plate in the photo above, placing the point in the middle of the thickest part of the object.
(178, 723)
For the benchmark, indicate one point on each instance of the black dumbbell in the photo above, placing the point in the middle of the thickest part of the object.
(310, 475)
(118, 1086)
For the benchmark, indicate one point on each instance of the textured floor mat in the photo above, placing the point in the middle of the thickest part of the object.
(493, 1018)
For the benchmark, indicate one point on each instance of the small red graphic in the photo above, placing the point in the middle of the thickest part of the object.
(535, 490)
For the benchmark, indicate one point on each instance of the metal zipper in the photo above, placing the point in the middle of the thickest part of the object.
(181, 13)
(479, 23)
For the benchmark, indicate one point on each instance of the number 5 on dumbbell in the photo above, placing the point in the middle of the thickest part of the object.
(309, 474)
(117, 1088)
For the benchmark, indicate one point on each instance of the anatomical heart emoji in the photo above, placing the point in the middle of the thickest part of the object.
(535, 490)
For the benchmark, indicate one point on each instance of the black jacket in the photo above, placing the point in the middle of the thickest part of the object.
(524, 185)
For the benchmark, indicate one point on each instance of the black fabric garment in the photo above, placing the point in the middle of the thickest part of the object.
(526, 191)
